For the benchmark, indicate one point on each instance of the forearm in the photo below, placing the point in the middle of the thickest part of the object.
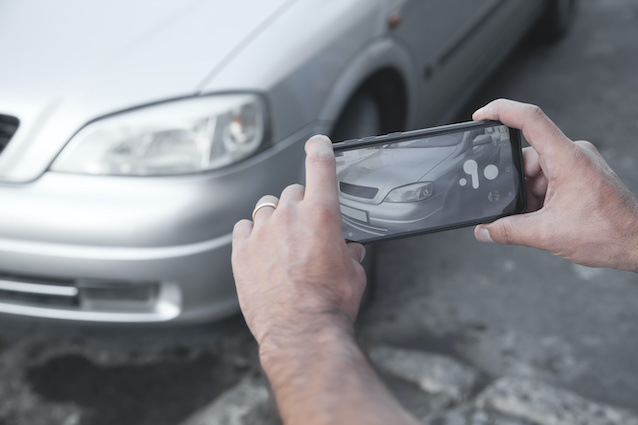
(324, 378)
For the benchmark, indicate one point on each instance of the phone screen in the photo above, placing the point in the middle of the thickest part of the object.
(429, 180)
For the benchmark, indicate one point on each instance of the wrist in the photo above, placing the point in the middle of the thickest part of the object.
(305, 339)
(630, 256)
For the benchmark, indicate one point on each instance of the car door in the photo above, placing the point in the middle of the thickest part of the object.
(456, 44)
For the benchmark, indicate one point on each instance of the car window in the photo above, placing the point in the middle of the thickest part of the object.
(436, 141)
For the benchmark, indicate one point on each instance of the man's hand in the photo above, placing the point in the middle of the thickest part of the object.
(578, 208)
(293, 269)
(299, 287)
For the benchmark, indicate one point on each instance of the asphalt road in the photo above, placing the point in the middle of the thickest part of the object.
(502, 310)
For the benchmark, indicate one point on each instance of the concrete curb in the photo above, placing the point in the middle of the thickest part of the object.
(432, 373)
(548, 405)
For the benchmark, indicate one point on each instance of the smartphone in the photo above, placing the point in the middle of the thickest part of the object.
(416, 182)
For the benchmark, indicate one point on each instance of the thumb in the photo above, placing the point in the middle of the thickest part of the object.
(514, 230)
(357, 251)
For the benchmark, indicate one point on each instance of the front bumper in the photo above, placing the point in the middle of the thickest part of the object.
(114, 249)
(362, 221)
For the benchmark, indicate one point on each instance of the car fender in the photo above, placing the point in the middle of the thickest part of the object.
(383, 53)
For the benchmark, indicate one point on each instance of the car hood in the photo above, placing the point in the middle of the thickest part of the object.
(67, 62)
(390, 168)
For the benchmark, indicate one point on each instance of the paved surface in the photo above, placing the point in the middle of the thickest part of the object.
(463, 333)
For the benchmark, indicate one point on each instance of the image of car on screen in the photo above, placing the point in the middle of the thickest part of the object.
(426, 183)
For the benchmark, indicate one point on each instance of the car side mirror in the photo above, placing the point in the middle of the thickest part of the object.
(483, 139)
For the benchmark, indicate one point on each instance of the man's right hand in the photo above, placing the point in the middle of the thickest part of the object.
(578, 208)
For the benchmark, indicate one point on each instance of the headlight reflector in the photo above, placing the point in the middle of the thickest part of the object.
(184, 136)
(411, 193)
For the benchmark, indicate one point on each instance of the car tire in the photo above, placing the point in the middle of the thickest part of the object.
(361, 117)
(556, 21)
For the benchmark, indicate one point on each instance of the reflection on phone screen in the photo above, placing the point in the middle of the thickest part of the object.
(426, 183)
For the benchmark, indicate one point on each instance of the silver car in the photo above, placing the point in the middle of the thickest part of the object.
(134, 134)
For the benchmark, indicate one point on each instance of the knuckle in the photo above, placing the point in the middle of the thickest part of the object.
(267, 198)
(584, 144)
(536, 112)
(585, 154)
(240, 225)
(285, 212)
(324, 214)
(299, 189)
(292, 190)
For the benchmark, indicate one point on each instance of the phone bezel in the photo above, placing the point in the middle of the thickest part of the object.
(515, 140)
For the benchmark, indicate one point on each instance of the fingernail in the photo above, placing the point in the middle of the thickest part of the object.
(326, 144)
(322, 137)
(484, 235)
(363, 254)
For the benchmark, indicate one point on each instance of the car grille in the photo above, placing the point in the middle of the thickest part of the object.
(37, 291)
(358, 191)
(8, 127)
(78, 294)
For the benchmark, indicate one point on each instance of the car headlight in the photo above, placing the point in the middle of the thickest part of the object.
(177, 137)
(411, 193)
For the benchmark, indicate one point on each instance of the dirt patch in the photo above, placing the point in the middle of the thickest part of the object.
(161, 393)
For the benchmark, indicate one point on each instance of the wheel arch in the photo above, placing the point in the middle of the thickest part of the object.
(385, 69)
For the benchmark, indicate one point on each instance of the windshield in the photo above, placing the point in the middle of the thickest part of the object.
(442, 140)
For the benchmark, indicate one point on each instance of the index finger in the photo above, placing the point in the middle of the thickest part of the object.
(537, 128)
(321, 174)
